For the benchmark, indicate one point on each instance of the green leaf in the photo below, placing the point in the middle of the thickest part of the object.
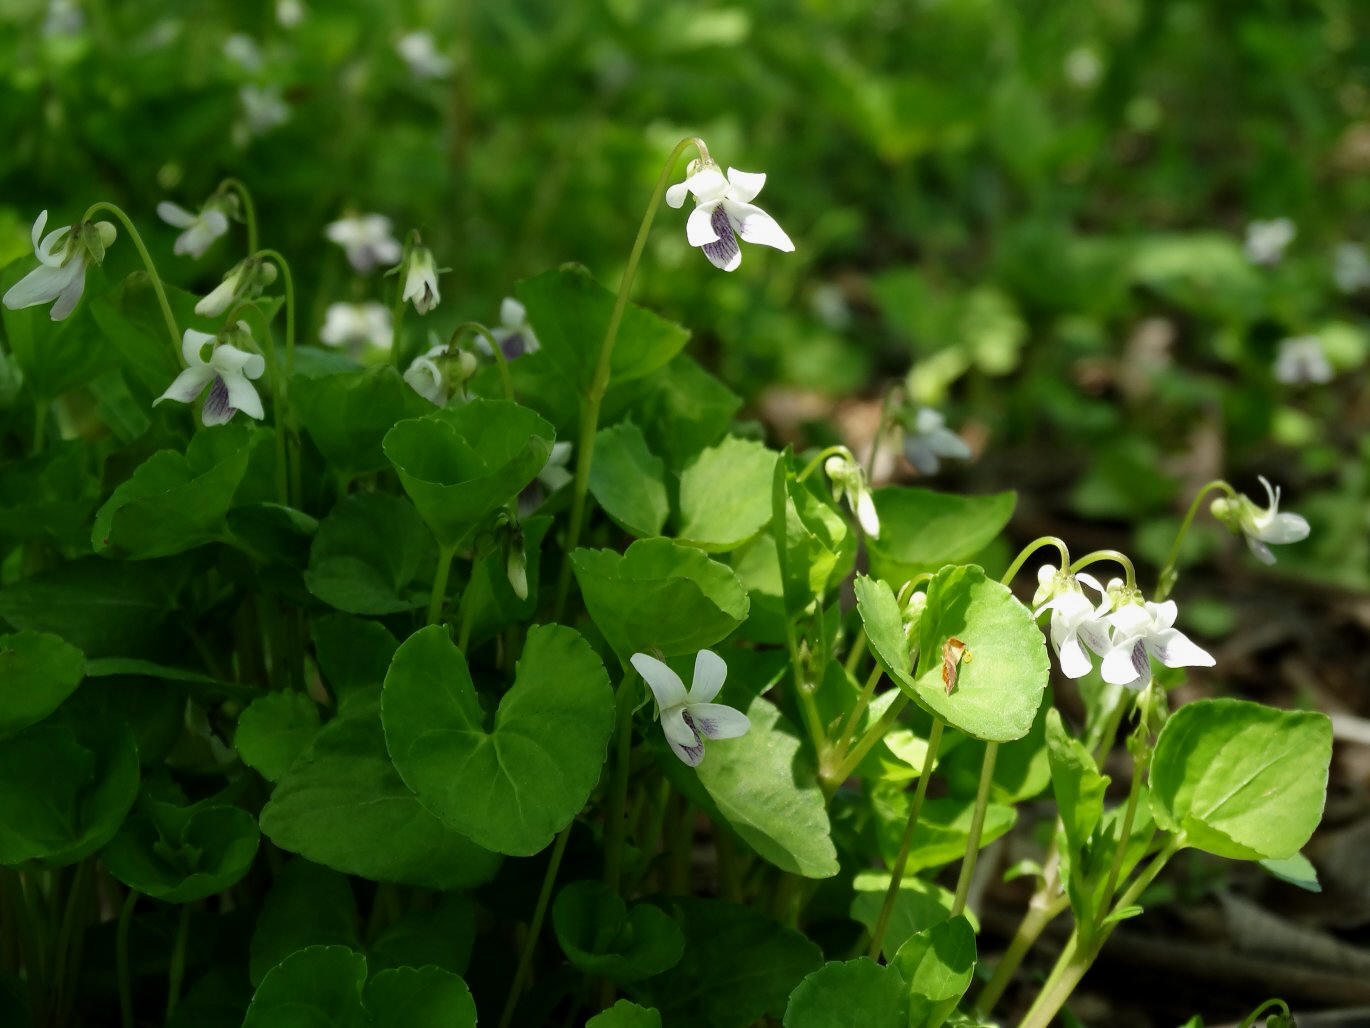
(624, 1014)
(938, 965)
(725, 495)
(342, 805)
(367, 555)
(1077, 783)
(943, 825)
(684, 410)
(918, 905)
(603, 936)
(316, 987)
(460, 464)
(628, 482)
(37, 672)
(348, 414)
(66, 785)
(659, 594)
(419, 997)
(1021, 769)
(819, 548)
(1296, 870)
(274, 730)
(768, 792)
(171, 503)
(130, 319)
(854, 992)
(921, 530)
(353, 654)
(50, 496)
(442, 936)
(54, 355)
(569, 311)
(738, 966)
(1003, 671)
(1241, 780)
(182, 854)
(307, 905)
(513, 787)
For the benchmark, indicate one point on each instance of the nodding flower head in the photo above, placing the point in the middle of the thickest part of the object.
(724, 212)
(63, 256)
(1260, 525)
(227, 370)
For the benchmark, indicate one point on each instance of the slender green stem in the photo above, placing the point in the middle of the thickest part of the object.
(476, 327)
(616, 827)
(1129, 814)
(466, 610)
(1166, 580)
(1256, 1014)
(599, 384)
(178, 961)
(64, 952)
(289, 283)
(858, 650)
(863, 701)
(1039, 915)
(277, 391)
(157, 286)
(808, 708)
(901, 861)
(121, 959)
(824, 454)
(1031, 548)
(249, 209)
(435, 598)
(1108, 727)
(1113, 555)
(977, 824)
(535, 926)
(32, 946)
(858, 752)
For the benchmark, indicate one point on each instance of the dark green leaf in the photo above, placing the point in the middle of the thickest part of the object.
(37, 672)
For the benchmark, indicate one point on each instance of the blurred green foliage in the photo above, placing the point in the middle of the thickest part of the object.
(1033, 209)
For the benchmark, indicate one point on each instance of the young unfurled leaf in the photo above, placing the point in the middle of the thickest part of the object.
(180, 854)
(603, 936)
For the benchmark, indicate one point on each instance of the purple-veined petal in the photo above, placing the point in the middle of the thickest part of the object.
(710, 672)
(217, 409)
(1119, 666)
(717, 720)
(725, 253)
(684, 740)
(242, 396)
(665, 684)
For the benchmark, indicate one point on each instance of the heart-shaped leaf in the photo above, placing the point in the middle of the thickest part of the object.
(605, 937)
(918, 905)
(625, 1014)
(659, 594)
(459, 464)
(37, 672)
(854, 992)
(318, 987)
(274, 730)
(367, 555)
(513, 786)
(938, 965)
(628, 481)
(307, 905)
(181, 854)
(348, 414)
(921, 530)
(419, 997)
(725, 494)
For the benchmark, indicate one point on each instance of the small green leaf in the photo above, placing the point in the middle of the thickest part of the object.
(512, 787)
(1077, 783)
(918, 905)
(50, 496)
(182, 854)
(943, 825)
(307, 905)
(938, 965)
(419, 997)
(442, 936)
(367, 555)
(274, 730)
(348, 414)
(1241, 780)
(1122, 914)
(1296, 870)
(725, 494)
(459, 464)
(353, 654)
(603, 936)
(684, 409)
(54, 355)
(659, 594)
(857, 992)
(37, 672)
(316, 987)
(921, 530)
(628, 481)
(624, 1014)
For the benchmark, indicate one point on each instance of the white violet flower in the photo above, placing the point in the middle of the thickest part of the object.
(723, 211)
(226, 372)
(437, 374)
(421, 280)
(1141, 630)
(1350, 267)
(243, 51)
(514, 334)
(366, 239)
(357, 325)
(688, 718)
(1260, 527)
(1302, 359)
(200, 230)
(849, 479)
(263, 110)
(1074, 618)
(289, 13)
(1266, 240)
(928, 440)
(419, 52)
(244, 281)
(554, 474)
(62, 258)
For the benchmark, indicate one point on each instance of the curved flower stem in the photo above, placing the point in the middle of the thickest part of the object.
(1256, 1014)
(1113, 555)
(292, 451)
(616, 826)
(435, 598)
(1120, 852)
(977, 824)
(535, 926)
(824, 454)
(478, 329)
(157, 286)
(915, 808)
(249, 209)
(1031, 548)
(591, 400)
(277, 385)
(1166, 580)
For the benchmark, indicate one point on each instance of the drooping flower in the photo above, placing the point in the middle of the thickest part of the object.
(357, 325)
(1266, 240)
(1260, 526)
(514, 334)
(1142, 630)
(554, 475)
(1302, 359)
(927, 440)
(244, 281)
(1350, 267)
(420, 280)
(289, 13)
(724, 211)
(688, 718)
(63, 255)
(438, 374)
(366, 239)
(1075, 619)
(849, 479)
(200, 230)
(227, 372)
(263, 110)
(242, 50)
(419, 52)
